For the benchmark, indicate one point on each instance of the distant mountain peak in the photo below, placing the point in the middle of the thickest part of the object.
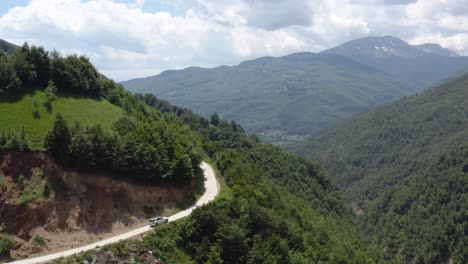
(435, 48)
(421, 66)
(389, 45)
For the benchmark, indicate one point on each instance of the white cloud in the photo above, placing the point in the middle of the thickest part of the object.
(125, 42)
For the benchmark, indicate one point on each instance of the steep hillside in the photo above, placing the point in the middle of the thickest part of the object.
(7, 47)
(277, 98)
(273, 208)
(49, 208)
(405, 168)
(276, 207)
(421, 66)
(81, 158)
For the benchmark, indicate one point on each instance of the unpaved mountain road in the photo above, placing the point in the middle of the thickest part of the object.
(211, 191)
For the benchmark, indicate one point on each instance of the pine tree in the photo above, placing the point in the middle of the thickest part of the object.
(3, 138)
(59, 139)
(214, 257)
(24, 144)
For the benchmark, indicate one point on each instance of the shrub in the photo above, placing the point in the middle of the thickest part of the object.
(38, 241)
(6, 244)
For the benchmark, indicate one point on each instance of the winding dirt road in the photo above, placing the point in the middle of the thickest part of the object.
(211, 191)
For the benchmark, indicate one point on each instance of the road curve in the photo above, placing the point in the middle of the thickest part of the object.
(211, 191)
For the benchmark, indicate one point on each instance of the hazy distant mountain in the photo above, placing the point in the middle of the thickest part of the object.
(419, 65)
(7, 47)
(278, 98)
(303, 93)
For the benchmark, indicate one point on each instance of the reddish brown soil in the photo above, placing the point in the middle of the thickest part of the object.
(82, 207)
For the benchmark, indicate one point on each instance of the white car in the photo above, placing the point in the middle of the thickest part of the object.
(158, 221)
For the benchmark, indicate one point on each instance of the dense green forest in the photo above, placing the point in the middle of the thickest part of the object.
(275, 207)
(404, 166)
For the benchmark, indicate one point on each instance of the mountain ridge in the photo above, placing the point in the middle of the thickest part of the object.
(258, 93)
(421, 66)
(286, 98)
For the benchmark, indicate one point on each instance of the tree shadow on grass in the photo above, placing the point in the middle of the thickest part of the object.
(18, 96)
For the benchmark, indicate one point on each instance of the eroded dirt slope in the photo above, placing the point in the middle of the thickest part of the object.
(67, 208)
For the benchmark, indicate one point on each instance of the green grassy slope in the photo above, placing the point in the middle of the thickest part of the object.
(277, 98)
(19, 113)
(406, 165)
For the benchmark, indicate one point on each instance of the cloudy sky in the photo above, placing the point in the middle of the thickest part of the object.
(136, 38)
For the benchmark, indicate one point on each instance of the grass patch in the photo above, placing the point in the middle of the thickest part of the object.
(62, 261)
(4, 186)
(119, 250)
(225, 192)
(34, 190)
(38, 241)
(6, 244)
(85, 256)
(38, 120)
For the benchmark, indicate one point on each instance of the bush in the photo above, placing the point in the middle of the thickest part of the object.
(38, 241)
(6, 244)
(86, 256)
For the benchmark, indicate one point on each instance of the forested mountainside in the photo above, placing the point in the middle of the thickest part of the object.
(419, 66)
(275, 207)
(7, 47)
(404, 166)
(277, 98)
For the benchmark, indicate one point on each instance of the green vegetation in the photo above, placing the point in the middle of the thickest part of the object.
(12, 140)
(6, 244)
(279, 208)
(153, 151)
(284, 99)
(34, 190)
(406, 166)
(98, 125)
(20, 113)
(38, 241)
(7, 47)
(277, 98)
(86, 256)
(63, 261)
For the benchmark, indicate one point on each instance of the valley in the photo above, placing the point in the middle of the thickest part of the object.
(100, 167)
(357, 154)
(288, 98)
(405, 166)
